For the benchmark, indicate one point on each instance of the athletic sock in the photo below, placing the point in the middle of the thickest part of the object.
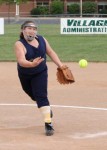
(45, 110)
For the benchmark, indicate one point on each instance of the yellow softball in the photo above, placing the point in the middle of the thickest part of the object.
(83, 63)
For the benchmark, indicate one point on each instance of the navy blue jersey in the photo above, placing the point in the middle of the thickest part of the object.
(32, 53)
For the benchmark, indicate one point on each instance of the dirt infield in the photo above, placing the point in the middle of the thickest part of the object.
(80, 111)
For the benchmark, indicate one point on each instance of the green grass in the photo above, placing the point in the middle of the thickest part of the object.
(68, 47)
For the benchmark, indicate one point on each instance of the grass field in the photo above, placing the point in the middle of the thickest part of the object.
(68, 47)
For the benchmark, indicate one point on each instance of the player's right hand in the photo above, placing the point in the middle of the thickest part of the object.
(37, 61)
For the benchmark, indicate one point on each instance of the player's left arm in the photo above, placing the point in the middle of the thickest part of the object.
(51, 53)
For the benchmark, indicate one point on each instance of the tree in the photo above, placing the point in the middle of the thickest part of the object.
(74, 9)
(56, 7)
(41, 10)
(89, 7)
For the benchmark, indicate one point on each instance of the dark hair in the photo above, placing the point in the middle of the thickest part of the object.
(23, 27)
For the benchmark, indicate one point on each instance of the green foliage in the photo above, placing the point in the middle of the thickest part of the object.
(6, 1)
(56, 7)
(89, 7)
(42, 10)
(12, 1)
(35, 11)
(74, 9)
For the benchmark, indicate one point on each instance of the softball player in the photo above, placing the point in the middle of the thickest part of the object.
(31, 50)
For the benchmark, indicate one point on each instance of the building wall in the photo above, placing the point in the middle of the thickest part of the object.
(10, 10)
(25, 8)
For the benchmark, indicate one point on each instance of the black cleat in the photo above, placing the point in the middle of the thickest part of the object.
(49, 129)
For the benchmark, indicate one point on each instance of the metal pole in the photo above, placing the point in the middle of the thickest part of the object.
(80, 8)
(17, 11)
